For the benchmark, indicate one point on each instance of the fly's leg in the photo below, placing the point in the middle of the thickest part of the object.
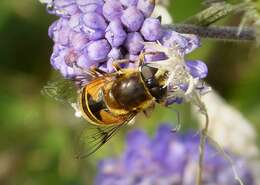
(116, 64)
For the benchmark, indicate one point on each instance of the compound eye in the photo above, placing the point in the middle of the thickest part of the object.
(148, 72)
(151, 82)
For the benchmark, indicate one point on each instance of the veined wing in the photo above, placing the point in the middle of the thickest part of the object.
(63, 90)
(93, 137)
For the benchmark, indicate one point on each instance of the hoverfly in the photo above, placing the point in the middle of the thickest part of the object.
(109, 101)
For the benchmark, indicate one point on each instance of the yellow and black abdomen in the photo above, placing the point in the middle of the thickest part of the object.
(93, 106)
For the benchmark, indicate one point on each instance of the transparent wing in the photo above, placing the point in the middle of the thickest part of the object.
(63, 90)
(93, 137)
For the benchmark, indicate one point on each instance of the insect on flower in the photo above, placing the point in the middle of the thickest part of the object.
(98, 33)
(111, 100)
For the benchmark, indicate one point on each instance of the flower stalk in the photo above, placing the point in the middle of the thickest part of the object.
(224, 33)
(204, 133)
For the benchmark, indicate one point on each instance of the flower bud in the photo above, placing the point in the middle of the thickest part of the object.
(134, 43)
(98, 50)
(146, 7)
(78, 40)
(75, 22)
(94, 25)
(197, 68)
(84, 62)
(115, 33)
(132, 18)
(58, 57)
(59, 31)
(151, 29)
(112, 10)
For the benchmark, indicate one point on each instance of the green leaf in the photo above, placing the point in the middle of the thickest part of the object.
(214, 13)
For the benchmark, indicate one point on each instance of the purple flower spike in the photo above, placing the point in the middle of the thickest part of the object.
(112, 10)
(197, 69)
(146, 7)
(98, 50)
(128, 3)
(134, 43)
(168, 159)
(151, 29)
(132, 18)
(115, 33)
(94, 25)
(97, 32)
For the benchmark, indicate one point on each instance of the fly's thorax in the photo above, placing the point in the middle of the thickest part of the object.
(131, 93)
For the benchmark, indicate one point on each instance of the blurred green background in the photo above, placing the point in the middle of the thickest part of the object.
(37, 134)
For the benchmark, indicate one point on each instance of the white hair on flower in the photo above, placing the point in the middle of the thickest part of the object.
(177, 73)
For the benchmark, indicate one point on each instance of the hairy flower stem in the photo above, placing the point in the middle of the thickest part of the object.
(204, 133)
(224, 33)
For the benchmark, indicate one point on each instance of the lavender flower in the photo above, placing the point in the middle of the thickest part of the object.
(168, 159)
(98, 32)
